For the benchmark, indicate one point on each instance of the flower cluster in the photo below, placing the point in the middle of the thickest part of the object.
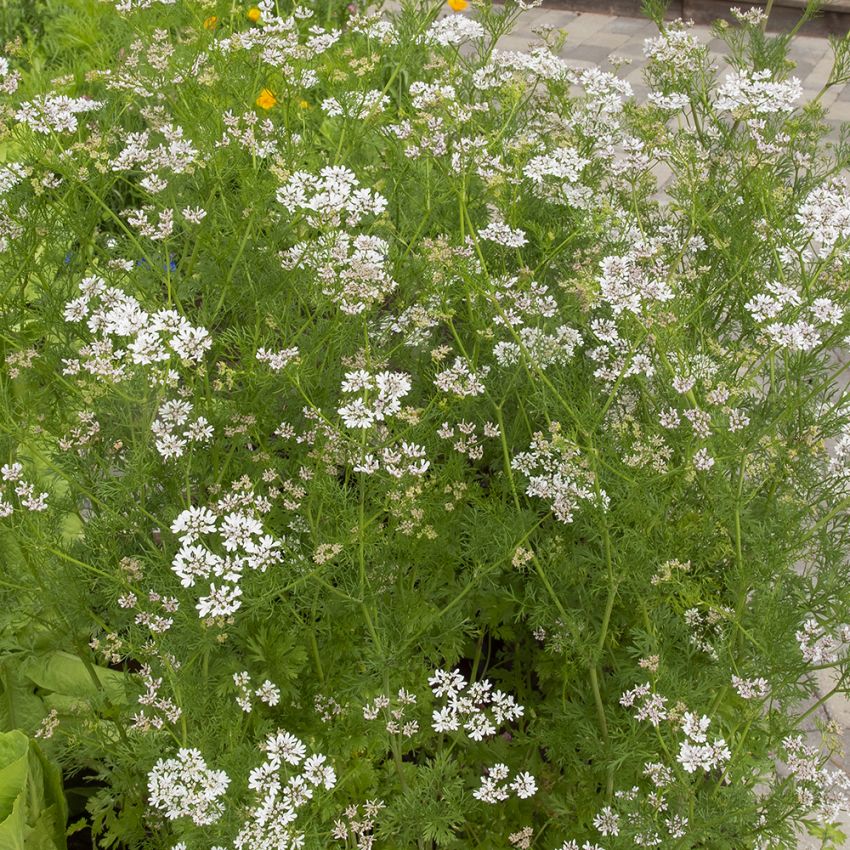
(650, 706)
(751, 688)
(380, 397)
(453, 30)
(359, 827)
(55, 113)
(357, 105)
(393, 712)
(556, 176)
(495, 787)
(824, 218)
(500, 233)
(234, 529)
(268, 692)
(24, 491)
(474, 707)
(174, 431)
(9, 79)
(754, 92)
(331, 199)
(627, 284)
(695, 753)
(157, 710)
(819, 646)
(117, 319)
(675, 52)
(821, 789)
(795, 333)
(558, 474)
(270, 822)
(277, 360)
(460, 380)
(351, 270)
(185, 787)
(541, 349)
(466, 439)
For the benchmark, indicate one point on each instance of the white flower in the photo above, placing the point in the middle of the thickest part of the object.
(824, 217)
(557, 474)
(356, 414)
(705, 757)
(827, 311)
(284, 747)
(491, 792)
(460, 380)
(238, 531)
(453, 30)
(193, 523)
(753, 91)
(524, 785)
(222, 601)
(277, 359)
(384, 392)
(194, 215)
(355, 104)
(695, 753)
(695, 727)
(332, 197)
(185, 787)
(318, 773)
(669, 418)
(556, 176)
(751, 688)
(675, 49)
(626, 285)
(193, 562)
(55, 113)
(499, 232)
(675, 101)
(818, 646)
(607, 821)
(479, 726)
(446, 683)
(269, 693)
(12, 471)
(703, 461)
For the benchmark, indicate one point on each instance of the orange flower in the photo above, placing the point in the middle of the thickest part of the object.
(266, 100)
(254, 14)
(210, 23)
(458, 5)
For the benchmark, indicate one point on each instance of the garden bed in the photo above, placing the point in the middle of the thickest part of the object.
(387, 463)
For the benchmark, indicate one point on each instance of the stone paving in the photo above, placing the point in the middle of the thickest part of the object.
(616, 44)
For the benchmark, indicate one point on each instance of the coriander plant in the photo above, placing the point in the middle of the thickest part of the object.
(387, 462)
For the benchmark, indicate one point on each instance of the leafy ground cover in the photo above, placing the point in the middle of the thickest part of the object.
(385, 463)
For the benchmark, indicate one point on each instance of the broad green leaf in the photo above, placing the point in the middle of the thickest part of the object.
(64, 673)
(20, 707)
(32, 805)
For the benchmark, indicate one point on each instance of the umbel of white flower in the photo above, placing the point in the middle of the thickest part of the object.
(185, 787)
(557, 473)
(125, 335)
(695, 753)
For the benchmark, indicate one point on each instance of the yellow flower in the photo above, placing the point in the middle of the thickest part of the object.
(266, 100)
(254, 14)
(458, 5)
(304, 104)
(210, 23)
